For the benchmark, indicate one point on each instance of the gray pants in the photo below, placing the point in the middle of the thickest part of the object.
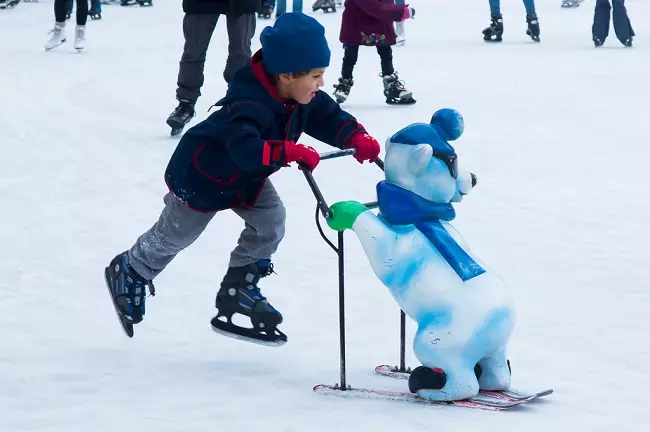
(179, 226)
(198, 29)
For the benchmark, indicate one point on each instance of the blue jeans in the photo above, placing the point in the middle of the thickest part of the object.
(495, 7)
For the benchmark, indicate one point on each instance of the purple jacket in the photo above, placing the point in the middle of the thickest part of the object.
(370, 22)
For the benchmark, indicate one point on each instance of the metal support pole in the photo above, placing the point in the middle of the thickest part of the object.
(342, 308)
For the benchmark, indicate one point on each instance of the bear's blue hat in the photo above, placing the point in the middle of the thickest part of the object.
(295, 43)
(446, 125)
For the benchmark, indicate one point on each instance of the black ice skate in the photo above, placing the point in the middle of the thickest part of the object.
(326, 6)
(598, 42)
(240, 294)
(145, 2)
(494, 33)
(181, 116)
(533, 27)
(9, 4)
(395, 92)
(342, 89)
(95, 11)
(127, 2)
(128, 292)
(266, 13)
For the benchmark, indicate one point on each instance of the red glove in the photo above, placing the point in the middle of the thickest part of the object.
(367, 147)
(301, 153)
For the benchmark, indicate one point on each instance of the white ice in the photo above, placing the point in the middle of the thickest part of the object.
(557, 134)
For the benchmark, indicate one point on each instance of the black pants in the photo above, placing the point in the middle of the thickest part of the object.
(352, 53)
(60, 7)
(622, 26)
(198, 29)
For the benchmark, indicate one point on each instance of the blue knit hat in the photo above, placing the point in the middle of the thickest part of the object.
(446, 125)
(295, 43)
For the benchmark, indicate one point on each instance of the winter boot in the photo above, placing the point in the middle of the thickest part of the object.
(533, 27)
(181, 116)
(342, 89)
(80, 38)
(395, 92)
(240, 294)
(128, 291)
(494, 33)
(57, 38)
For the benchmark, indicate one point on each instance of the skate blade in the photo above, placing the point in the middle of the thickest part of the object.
(126, 326)
(55, 46)
(220, 328)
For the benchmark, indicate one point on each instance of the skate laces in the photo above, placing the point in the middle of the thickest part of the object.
(265, 268)
(394, 81)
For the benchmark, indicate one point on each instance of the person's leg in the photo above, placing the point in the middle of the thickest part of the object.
(264, 228)
(386, 56)
(176, 229)
(495, 7)
(600, 28)
(197, 30)
(82, 12)
(530, 7)
(349, 61)
(241, 30)
(622, 26)
(60, 7)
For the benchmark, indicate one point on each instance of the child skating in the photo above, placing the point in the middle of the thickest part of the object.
(371, 23)
(224, 163)
(494, 33)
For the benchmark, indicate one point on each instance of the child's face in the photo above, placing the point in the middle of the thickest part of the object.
(302, 89)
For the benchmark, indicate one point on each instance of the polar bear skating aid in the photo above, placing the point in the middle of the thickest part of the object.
(464, 311)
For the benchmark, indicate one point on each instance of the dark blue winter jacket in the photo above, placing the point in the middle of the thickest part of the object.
(224, 161)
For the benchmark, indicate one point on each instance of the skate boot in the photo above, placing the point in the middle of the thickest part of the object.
(80, 38)
(494, 33)
(598, 42)
(181, 116)
(127, 2)
(571, 3)
(9, 4)
(533, 27)
(57, 38)
(95, 12)
(395, 92)
(145, 3)
(240, 294)
(128, 291)
(326, 6)
(342, 89)
(266, 13)
(628, 42)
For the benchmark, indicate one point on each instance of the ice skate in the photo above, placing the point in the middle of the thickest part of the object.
(181, 116)
(342, 89)
(326, 6)
(128, 292)
(57, 38)
(239, 294)
(533, 27)
(494, 33)
(395, 92)
(80, 38)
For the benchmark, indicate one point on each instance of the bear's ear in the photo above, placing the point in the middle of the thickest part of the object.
(420, 158)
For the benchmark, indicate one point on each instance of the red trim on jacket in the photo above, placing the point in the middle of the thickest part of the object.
(265, 79)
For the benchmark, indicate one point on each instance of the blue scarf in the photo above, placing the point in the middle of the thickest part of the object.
(403, 207)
